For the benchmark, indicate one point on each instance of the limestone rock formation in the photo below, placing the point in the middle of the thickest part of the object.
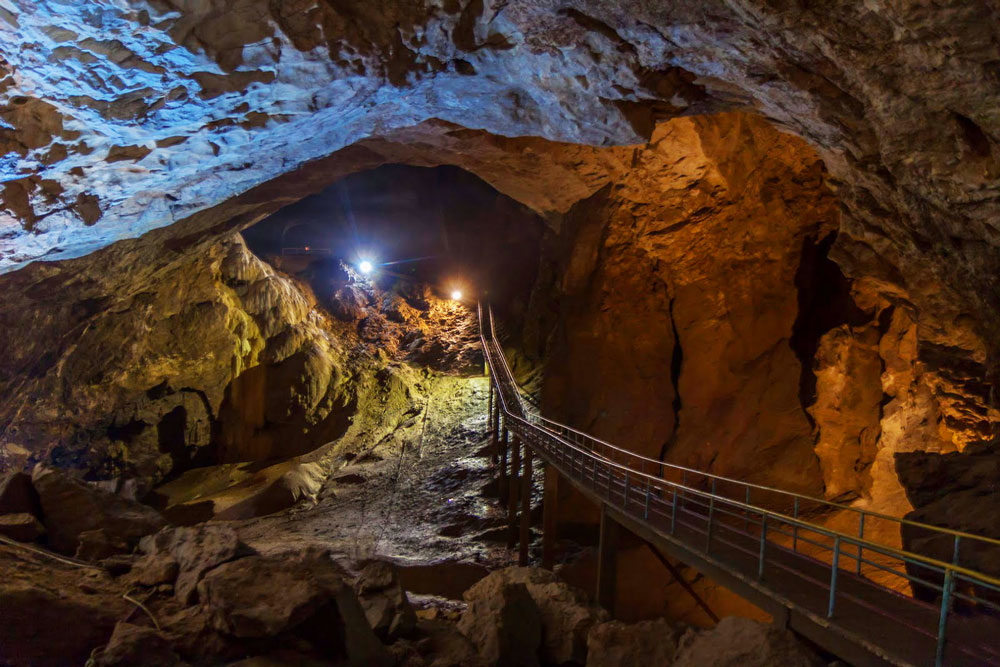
(162, 106)
(613, 643)
(54, 613)
(385, 603)
(88, 521)
(567, 613)
(181, 556)
(692, 358)
(740, 641)
(263, 596)
(137, 645)
(22, 527)
(504, 623)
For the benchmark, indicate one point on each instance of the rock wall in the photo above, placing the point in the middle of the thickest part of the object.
(126, 375)
(121, 120)
(679, 283)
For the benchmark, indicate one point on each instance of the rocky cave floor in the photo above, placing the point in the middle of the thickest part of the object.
(427, 504)
(394, 554)
(323, 582)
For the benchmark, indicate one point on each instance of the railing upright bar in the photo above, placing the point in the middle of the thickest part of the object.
(949, 582)
(833, 576)
(795, 527)
(861, 536)
(711, 513)
(763, 541)
(673, 513)
(746, 512)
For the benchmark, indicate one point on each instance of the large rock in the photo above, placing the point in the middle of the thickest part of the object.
(21, 527)
(385, 603)
(71, 508)
(302, 593)
(741, 642)
(182, 556)
(567, 613)
(504, 623)
(137, 645)
(17, 495)
(614, 643)
(53, 613)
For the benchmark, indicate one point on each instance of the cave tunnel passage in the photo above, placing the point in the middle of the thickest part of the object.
(428, 233)
(442, 227)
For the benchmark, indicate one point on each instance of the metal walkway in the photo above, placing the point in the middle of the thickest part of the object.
(865, 601)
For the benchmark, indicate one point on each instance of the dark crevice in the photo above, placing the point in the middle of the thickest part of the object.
(676, 360)
(824, 299)
(975, 138)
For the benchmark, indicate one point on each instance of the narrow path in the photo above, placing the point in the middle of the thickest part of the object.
(421, 498)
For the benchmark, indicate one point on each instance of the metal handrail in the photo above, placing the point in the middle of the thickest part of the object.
(790, 494)
(503, 378)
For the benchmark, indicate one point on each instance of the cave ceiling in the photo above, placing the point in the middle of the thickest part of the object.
(119, 119)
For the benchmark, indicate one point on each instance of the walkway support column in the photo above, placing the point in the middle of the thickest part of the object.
(607, 562)
(522, 557)
(549, 516)
(512, 493)
(494, 427)
(503, 469)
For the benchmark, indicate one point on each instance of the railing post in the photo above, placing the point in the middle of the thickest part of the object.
(746, 512)
(673, 513)
(861, 536)
(795, 526)
(684, 482)
(833, 575)
(949, 583)
(954, 555)
(625, 494)
(711, 514)
(763, 541)
(645, 510)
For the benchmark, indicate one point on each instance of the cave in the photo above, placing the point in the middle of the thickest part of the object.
(519, 333)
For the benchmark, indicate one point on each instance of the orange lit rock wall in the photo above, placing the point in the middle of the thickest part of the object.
(679, 289)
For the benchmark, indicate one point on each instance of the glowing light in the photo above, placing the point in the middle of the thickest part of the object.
(366, 267)
(456, 294)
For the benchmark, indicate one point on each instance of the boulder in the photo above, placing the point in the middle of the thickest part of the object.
(348, 303)
(503, 622)
(43, 627)
(385, 603)
(567, 613)
(742, 642)
(99, 544)
(615, 643)
(22, 527)
(137, 645)
(71, 507)
(185, 554)
(17, 495)
(442, 645)
(301, 593)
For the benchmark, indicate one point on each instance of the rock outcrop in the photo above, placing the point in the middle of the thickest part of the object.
(172, 111)
(740, 641)
(503, 622)
(87, 521)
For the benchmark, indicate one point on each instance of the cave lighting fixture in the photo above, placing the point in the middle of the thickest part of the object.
(366, 267)
(456, 295)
